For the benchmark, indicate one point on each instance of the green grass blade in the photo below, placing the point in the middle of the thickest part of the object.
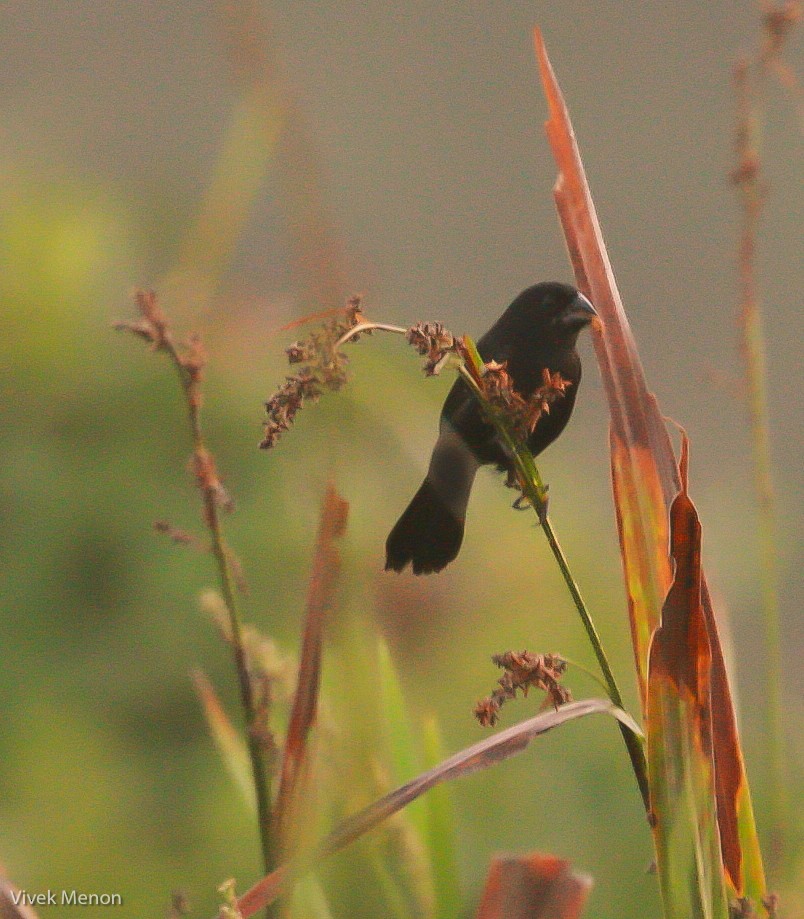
(412, 825)
(440, 832)
(397, 726)
(230, 744)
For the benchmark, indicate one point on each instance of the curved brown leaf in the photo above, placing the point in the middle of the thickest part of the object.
(320, 598)
(485, 753)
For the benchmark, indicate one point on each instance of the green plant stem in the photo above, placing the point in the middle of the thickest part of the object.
(754, 347)
(633, 743)
(259, 765)
(536, 492)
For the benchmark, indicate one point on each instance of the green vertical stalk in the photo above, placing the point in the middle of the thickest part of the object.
(536, 493)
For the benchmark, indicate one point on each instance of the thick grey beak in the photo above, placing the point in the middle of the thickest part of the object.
(579, 313)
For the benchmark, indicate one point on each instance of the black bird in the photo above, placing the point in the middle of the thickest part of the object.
(538, 331)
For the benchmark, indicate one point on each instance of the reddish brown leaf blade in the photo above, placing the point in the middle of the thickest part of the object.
(646, 480)
(684, 461)
(479, 756)
(681, 646)
(320, 599)
(220, 723)
(679, 747)
(313, 317)
(263, 893)
(738, 835)
(637, 496)
(634, 419)
(533, 886)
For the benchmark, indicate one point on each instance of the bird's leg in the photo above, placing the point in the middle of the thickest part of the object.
(522, 503)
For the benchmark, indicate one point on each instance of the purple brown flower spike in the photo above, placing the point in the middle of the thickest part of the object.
(523, 671)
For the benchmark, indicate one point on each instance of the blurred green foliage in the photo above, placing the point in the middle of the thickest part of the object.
(110, 779)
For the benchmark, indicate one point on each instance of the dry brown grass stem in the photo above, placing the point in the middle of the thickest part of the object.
(750, 81)
(189, 361)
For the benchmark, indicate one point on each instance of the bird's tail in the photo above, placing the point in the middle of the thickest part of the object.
(428, 535)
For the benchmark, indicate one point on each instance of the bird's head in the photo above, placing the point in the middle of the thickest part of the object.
(555, 310)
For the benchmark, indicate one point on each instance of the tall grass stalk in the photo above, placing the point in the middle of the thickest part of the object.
(188, 365)
(749, 83)
(534, 489)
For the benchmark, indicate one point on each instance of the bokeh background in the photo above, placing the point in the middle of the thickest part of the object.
(255, 163)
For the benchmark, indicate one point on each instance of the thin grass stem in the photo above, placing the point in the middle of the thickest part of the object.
(368, 327)
(752, 194)
(535, 491)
